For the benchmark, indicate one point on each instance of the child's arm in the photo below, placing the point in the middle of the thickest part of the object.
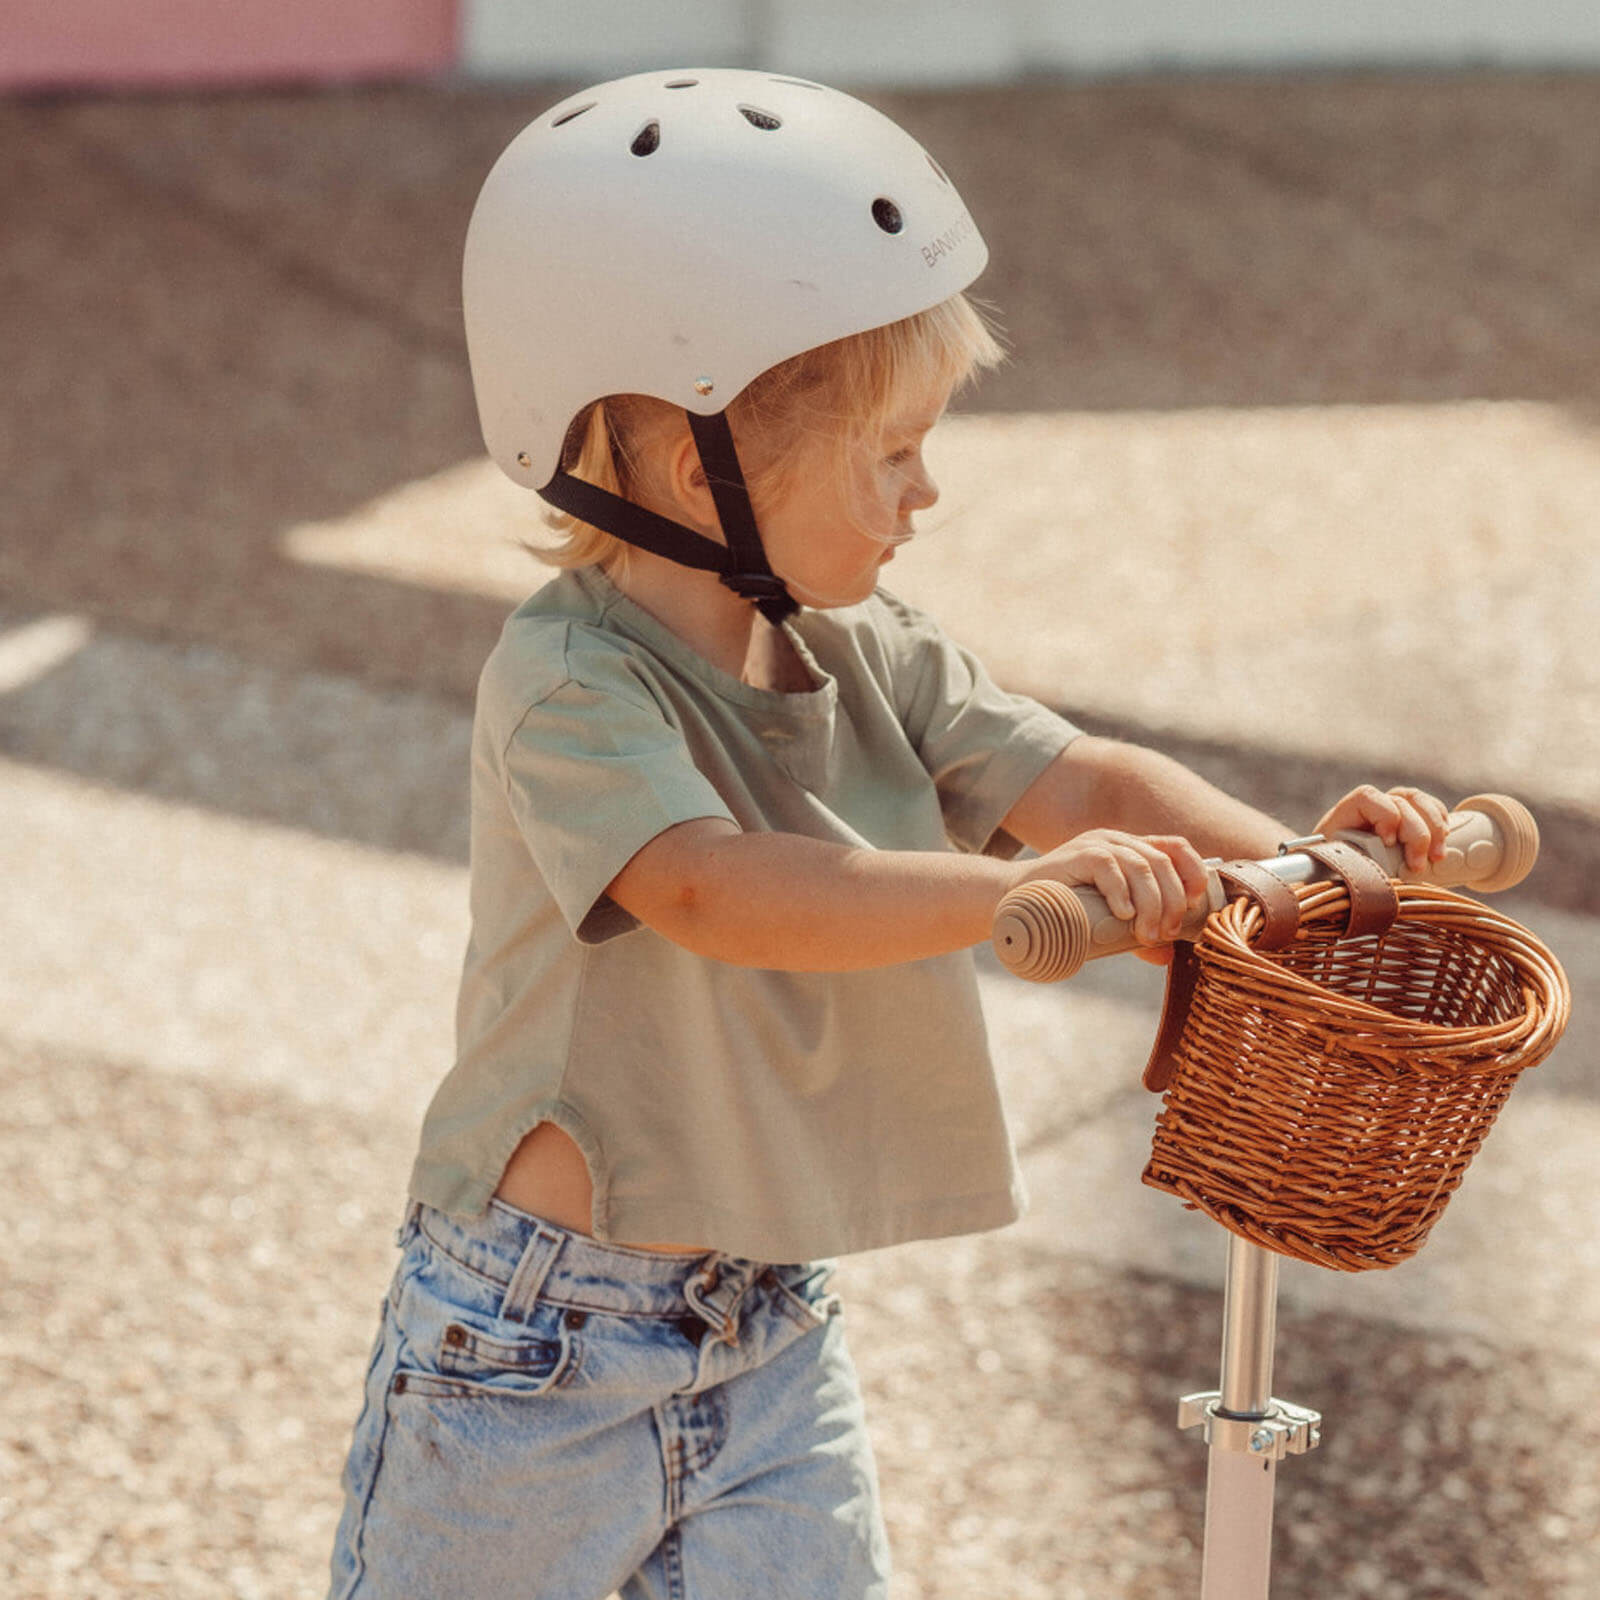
(1101, 783)
(794, 904)
(783, 901)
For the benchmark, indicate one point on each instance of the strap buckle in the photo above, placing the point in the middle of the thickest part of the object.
(754, 585)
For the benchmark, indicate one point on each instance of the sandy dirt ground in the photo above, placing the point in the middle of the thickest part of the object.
(1295, 473)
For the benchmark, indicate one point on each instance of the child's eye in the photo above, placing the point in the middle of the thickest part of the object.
(900, 457)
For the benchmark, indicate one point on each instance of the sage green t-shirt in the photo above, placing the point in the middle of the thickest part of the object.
(779, 1116)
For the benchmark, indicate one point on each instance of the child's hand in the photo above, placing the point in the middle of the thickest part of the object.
(1408, 817)
(1151, 882)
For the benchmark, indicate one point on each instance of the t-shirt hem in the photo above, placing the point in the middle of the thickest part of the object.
(458, 1194)
(464, 1196)
(815, 1238)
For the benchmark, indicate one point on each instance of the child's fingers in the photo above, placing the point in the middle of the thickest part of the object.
(1368, 807)
(1414, 836)
(1147, 883)
(1433, 816)
(1190, 865)
(1106, 875)
(1158, 894)
(1399, 817)
(1154, 887)
(1410, 818)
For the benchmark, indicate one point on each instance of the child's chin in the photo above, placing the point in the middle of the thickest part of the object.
(861, 590)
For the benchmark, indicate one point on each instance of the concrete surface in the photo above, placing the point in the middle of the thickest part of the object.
(1294, 473)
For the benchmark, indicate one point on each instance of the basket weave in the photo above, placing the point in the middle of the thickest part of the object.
(1328, 1096)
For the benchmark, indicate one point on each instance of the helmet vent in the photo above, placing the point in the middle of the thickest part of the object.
(887, 215)
(797, 83)
(681, 83)
(938, 170)
(647, 140)
(760, 119)
(567, 116)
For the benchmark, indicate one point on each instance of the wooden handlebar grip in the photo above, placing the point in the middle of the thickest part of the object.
(1042, 931)
(1045, 931)
(1491, 845)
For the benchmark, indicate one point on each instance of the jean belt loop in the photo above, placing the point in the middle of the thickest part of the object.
(527, 1281)
(407, 1222)
(714, 1290)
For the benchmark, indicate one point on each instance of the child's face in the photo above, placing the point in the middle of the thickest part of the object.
(832, 532)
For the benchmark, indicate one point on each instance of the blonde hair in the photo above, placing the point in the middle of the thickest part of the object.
(831, 397)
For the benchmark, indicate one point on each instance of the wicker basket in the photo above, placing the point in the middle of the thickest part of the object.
(1328, 1096)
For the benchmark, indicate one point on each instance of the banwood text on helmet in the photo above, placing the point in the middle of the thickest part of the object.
(675, 234)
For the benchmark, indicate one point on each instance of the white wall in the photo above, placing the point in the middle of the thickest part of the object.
(1101, 34)
(952, 41)
(583, 38)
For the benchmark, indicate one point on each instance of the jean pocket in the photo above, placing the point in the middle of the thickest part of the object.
(470, 1361)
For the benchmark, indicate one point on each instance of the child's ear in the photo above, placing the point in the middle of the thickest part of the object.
(689, 491)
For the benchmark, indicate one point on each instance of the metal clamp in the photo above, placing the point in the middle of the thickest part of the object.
(1286, 1430)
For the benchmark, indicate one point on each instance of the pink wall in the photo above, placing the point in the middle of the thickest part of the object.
(46, 43)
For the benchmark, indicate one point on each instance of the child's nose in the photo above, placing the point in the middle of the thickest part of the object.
(921, 491)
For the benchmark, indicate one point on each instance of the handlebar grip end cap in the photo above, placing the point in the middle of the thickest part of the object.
(1519, 836)
(1042, 932)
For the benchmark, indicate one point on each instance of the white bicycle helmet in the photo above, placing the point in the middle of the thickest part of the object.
(676, 234)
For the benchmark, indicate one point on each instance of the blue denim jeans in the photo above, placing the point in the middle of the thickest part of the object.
(551, 1418)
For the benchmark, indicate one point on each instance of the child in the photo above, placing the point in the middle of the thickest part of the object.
(718, 1018)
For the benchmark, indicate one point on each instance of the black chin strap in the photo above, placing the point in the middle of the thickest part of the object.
(741, 564)
(747, 573)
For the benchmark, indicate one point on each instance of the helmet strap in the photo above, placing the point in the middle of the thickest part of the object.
(748, 572)
(633, 524)
(741, 564)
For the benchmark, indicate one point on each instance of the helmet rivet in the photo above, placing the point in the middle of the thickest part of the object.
(524, 459)
(703, 386)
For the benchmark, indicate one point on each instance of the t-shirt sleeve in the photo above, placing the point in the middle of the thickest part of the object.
(982, 745)
(593, 771)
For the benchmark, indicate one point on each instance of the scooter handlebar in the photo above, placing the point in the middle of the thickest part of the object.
(1045, 930)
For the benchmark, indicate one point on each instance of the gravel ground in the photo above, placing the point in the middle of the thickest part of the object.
(253, 563)
(195, 1269)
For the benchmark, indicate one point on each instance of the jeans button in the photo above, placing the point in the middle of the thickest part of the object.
(576, 1319)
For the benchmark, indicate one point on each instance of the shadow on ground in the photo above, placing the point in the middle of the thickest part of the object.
(233, 315)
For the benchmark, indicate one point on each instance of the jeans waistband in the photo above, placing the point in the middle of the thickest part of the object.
(533, 1259)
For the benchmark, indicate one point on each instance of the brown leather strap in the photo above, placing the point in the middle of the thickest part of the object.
(1280, 914)
(1182, 976)
(1373, 902)
(1280, 910)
